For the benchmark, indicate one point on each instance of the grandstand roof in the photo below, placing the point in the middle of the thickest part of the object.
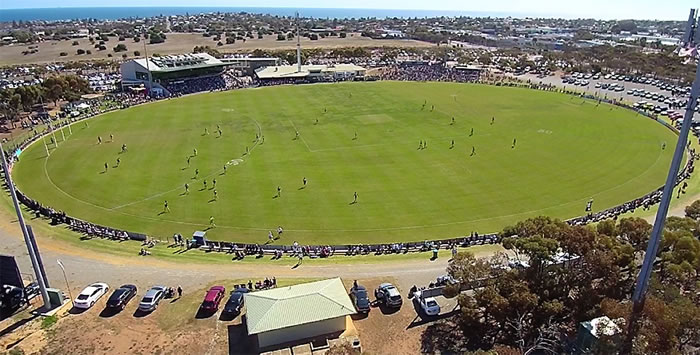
(170, 63)
(290, 71)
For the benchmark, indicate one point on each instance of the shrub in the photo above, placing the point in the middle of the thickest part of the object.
(63, 54)
(230, 40)
(281, 37)
(75, 43)
(219, 44)
(102, 48)
(121, 47)
(137, 39)
(137, 53)
(109, 55)
(124, 56)
(88, 52)
(48, 322)
(313, 36)
(80, 51)
(343, 34)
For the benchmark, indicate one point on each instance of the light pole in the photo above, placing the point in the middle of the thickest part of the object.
(58, 261)
(27, 241)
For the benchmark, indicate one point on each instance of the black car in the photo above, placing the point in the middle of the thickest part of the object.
(121, 296)
(358, 294)
(235, 302)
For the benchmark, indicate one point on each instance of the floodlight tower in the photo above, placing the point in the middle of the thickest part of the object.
(298, 45)
(689, 43)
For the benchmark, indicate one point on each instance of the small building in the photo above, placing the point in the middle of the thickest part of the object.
(318, 72)
(294, 313)
(590, 331)
(248, 65)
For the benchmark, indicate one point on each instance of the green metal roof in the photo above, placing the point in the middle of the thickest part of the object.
(290, 306)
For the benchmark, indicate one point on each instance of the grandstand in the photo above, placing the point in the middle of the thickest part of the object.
(171, 71)
(311, 73)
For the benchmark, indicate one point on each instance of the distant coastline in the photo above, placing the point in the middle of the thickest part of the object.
(113, 13)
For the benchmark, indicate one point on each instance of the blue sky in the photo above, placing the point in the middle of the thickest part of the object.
(647, 9)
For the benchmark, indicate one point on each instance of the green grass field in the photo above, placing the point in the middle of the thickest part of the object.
(566, 152)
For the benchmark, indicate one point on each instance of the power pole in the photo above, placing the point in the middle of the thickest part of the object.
(642, 285)
(38, 270)
(298, 45)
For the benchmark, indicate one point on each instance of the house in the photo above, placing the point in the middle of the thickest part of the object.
(294, 313)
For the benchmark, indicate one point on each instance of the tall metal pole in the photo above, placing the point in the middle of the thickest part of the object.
(63, 268)
(298, 45)
(642, 285)
(23, 226)
(148, 68)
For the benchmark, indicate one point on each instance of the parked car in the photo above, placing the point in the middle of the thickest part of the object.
(121, 296)
(428, 304)
(235, 303)
(360, 299)
(150, 300)
(213, 298)
(89, 295)
(389, 295)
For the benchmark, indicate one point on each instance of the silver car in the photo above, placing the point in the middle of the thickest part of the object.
(150, 300)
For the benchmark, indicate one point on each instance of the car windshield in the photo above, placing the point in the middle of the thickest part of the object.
(83, 297)
(147, 300)
(361, 294)
(208, 304)
(396, 298)
(432, 303)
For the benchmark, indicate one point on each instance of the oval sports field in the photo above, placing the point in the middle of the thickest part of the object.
(517, 153)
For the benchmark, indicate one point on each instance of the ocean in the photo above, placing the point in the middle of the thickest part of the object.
(113, 13)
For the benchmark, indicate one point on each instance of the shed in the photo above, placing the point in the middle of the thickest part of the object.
(293, 313)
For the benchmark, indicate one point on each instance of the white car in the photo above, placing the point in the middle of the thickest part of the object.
(90, 295)
(428, 304)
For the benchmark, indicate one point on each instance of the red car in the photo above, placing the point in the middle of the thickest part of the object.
(213, 298)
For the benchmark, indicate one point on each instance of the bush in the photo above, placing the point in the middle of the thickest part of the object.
(137, 39)
(63, 54)
(80, 51)
(102, 48)
(121, 47)
(124, 56)
(313, 37)
(102, 42)
(230, 40)
(88, 52)
(75, 43)
(343, 34)
(260, 35)
(281, 37)
(219, 44)
(48, 322)
(121, 38)
(137, 53)
(109, 55)
(157, 38)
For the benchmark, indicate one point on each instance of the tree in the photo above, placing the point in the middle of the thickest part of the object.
(137, 39)
(75, 43)
(635, 231)
(80, 51)
(280, 37)
(121, 47)
(230, 40)
(54, 93)
(693, 210)
(137, 53)
(467, 269)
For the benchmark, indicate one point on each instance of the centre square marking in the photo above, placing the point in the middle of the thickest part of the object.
(374, 119)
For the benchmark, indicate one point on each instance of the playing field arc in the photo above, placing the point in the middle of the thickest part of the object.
(348, 163)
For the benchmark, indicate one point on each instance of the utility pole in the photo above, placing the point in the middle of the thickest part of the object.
(298, 45)
(40, 277)
(642, 285)
(63, 268)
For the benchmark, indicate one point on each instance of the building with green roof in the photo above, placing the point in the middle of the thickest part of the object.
(303, 311)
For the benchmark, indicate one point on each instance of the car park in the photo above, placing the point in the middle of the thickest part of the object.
(213, 298)
(150, 300)
(121, 296)
(89, 295)
(389, 295)
(235, 302)
(359, 297)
